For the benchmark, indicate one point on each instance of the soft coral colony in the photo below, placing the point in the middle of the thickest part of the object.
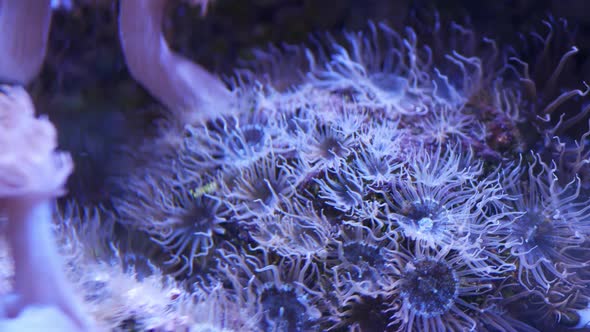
(375, 183)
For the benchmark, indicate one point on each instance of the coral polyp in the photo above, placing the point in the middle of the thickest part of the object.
(326, 146)
(278, 297)
(428, 220)
(342, 189)
(437, 199)
(358, 260)
(232, 142)
(433, 288)
(548, 238)
(260, 188)
(386, 71)
(429, 287)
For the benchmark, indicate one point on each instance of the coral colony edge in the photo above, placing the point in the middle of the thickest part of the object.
(418, 180)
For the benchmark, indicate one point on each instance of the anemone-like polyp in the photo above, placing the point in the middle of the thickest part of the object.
(430, 287)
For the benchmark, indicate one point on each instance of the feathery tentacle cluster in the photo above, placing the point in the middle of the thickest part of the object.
(380, 186)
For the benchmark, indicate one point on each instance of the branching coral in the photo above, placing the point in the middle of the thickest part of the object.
(32, 174)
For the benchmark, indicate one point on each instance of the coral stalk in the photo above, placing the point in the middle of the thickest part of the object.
(181, 85)
(32, 174)
(24, 28)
